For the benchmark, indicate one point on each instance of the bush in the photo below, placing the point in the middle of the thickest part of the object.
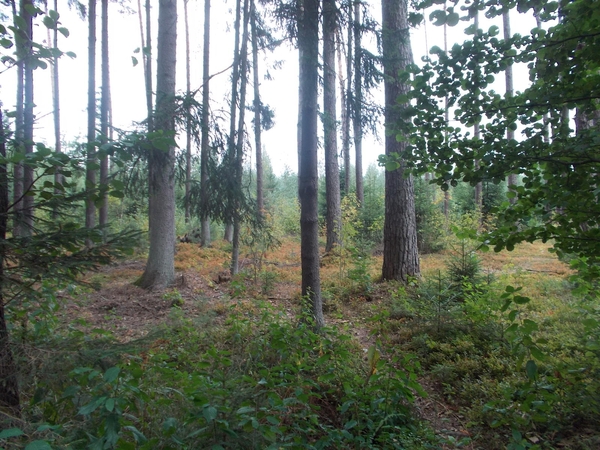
(257, 382)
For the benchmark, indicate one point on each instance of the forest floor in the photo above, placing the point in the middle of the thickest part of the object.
(203, 285)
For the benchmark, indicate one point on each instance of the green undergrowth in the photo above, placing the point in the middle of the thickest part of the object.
(520, 364)
(259, 381)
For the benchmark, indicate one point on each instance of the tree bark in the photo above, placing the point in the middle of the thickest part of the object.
(447, 121)
(231, 145)
(58, 178)
(357, 114)
(204, 151)
(332, 171)
(148, 66)
(348, 101)
(400, 253)
(28, 119)
(479, 185)
(104, 115)
(21, 50)
(345, 126)
(260, 203)
(308, 45)
(188, 122)
(476, 135)
(160, 268)
(239, 150)
(90, 173)
(508, 76)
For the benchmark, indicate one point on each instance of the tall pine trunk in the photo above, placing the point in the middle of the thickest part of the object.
(447, 120)
(90, 173)
(308, 46)
(345, 126)
(148, 67)
(260, 203)
(348, 100)
(508, 76)
(21, 50)
(104, 115)
(188, 121)
(231, 145)
(28, 118)
(476, 135)
(357, 113)
(239, 148)
(204, 150)
(58, 178)
(400, 253)
(332, 171)
(160, 268)
(146, 40)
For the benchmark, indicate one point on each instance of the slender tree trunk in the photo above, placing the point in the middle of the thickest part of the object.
(357, 116)
(228, 236)
(160, 268)
(447, 120)
(21, 47)
(90, 177)
(148, 66)
(9, 386)
(477, 134)
(28, 119)
(145, 56)
(148, 82)
(508, 75)
(479, 185)
(345, 126)
(204, 151)
(188, 124)
(308, 44)
(332, 171)
(400, 253)
(239, 151)
(538, 22)
(104, 115)
(58, 178)
(348, 101)
(260, 203)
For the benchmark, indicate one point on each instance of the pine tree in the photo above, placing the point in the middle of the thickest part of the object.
(308, 47)
(400, 253)
(160, 267)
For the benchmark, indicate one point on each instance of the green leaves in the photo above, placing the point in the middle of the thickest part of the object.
(209, 413)
(111, 374)
(38, 445)
(442, 17)
(531, 369)
(11, 432)
(92, 406)
(464, 76)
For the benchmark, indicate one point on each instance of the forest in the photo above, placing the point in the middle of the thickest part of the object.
(165, 283)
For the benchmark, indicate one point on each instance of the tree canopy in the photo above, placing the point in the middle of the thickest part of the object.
(555, 151)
